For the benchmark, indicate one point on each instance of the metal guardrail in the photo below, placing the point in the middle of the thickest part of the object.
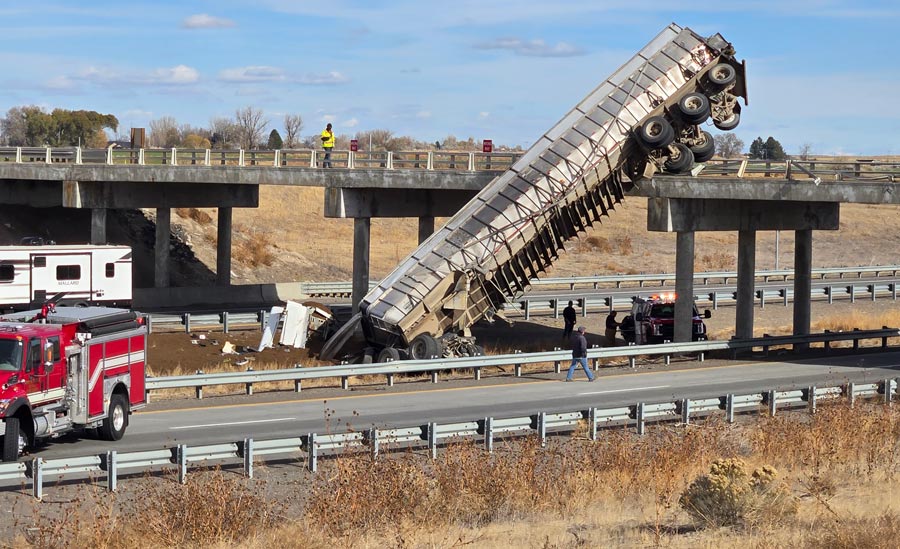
(475, 364)
(433, 435)
(344, 289)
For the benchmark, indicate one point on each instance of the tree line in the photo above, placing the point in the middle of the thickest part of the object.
(32, 126)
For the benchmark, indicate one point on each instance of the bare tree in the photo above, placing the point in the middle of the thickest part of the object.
(293, 125)
(251, 124)
(223, 133)
(14, 128)
(164, 132)
(729, 145)
(805, 150)
(380, 140)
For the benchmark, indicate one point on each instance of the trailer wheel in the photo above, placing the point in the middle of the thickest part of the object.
(424, 346)
(656, 133)
(681, 160)
(13, 442)
(116, 421)
(705, 148)
(389, 354)
(722, 75)
(694, 108)
(729, 123)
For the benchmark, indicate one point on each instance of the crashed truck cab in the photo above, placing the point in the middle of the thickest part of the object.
(652, 321)
(647, 117)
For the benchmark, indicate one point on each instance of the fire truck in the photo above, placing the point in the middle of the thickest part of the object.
(652, 320)
(68, 369)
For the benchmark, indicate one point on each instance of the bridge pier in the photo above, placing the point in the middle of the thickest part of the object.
(684, 285)
(362, 229)
(802, 281)
(746, 282)
(426, 227)
(161, 248)
(98, 226)
(223, 247)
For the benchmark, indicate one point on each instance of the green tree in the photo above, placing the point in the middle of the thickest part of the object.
(79, 127)
(757, 148)
(774, 150)
(275, 141)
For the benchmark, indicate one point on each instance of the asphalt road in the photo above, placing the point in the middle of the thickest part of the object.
(155, 429)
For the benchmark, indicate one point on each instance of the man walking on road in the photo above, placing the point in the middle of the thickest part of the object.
(569, 319)
(579, 355)
(327, 145)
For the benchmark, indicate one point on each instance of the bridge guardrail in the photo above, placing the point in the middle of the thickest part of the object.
(433, 435)
(475, 364)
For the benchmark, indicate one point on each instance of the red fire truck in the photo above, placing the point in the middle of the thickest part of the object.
(68, 369)
(652, 320)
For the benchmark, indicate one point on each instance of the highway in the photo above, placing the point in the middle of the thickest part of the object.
(422, 403)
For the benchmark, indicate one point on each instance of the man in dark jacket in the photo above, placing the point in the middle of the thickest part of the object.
(569, 319)
(611, 326)
(579, 355)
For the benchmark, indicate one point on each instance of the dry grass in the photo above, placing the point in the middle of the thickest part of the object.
(201, 217)
(254, 249)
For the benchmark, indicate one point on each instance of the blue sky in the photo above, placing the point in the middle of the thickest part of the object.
(819, 72)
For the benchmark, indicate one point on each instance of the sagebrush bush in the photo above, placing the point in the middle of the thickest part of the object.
(728, 496)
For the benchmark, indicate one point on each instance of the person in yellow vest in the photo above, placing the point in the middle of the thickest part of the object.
(328, 145)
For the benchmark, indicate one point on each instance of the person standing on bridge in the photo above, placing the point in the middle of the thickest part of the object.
(569, 320)
(327, 145)
(579, 355)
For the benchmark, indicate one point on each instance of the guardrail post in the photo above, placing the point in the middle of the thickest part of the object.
(477, 374)
(223, 318)
(762, 299)
(374, 443)
(527, 309)
(686, 411)
(312, 453)
(701, 356)
(829, 290)
(345, 382)
(181, 459)
(517, 368)
(555, 307)
(489, 435)
(894, 291)
(249, 383)
(826, 344)
(583, 304)
(186, 320)
(390, 380)
(198, 390)
(729, 407)
(557, 366)
(784, 294)
(148, 320)
(37, 477)
(852, 289)
(851, 393)
(811, 398)
(595, 362)
(542, 428)
(298, 384)
(884, 339)
(592, 418)
(632, 362)
(112, 470)
(771, 400)
(872, 287)
(668, 359)
(715, 300)
(639, 416)
(432, 439)
(856, 341)
(263, 320)
(887, 390)
(247, 450)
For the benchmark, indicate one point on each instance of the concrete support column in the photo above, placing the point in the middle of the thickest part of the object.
(223, 248)
(426, 228)
(802, 280)
(362, 227)
(745, 284)
(163, 230)
(98, 226)
(684, 286)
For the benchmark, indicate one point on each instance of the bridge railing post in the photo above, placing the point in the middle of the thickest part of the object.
(471, 162)
(351, 160)
(109, 156)
(18, 155)
(430, 163)
(78, 155)
(140, 157)
(312, 158)
(48, 158)
(390, 160)
(207, 158)
(241, 158)
(174, 156)
(277, 161)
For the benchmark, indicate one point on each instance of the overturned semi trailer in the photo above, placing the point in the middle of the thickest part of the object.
(644, 118)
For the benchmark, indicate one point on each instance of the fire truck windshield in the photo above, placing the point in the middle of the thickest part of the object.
(663, 310)
(10, 355)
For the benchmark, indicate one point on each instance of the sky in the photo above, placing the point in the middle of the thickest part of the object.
(820, 72)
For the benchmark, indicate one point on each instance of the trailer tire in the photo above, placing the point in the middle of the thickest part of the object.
(656, 133)
(705, 149)
(389, 354)
(116, 420)
(424, 346)
(722, 75)
(729, 123)
(11, 436)
(694, 108)
(681, 161)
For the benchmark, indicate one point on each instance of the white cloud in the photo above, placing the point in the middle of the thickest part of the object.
(483, 115)
(60, 83)
(531, 48)
(330, 78)
(257, 73)
(178, 75)
(351, 123)
(205, 21)
(138, 113)
(423, 114)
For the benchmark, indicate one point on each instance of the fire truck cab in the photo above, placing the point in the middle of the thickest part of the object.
(69, 369)
(652, 320)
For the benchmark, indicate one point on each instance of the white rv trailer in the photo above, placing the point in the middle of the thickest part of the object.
(85, 274)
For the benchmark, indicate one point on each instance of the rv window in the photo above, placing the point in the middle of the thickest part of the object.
(40, 261)
(7, 273)
(68, 272)
(110, 270)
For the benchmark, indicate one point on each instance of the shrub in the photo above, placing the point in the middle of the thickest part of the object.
(199, 216)
(728, 496)
(253, 249)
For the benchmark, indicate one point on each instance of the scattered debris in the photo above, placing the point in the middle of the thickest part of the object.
(229, 349)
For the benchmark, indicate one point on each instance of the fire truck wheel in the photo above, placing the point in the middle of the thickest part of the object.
(114, 424)
(12, 440)
(424, 346)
